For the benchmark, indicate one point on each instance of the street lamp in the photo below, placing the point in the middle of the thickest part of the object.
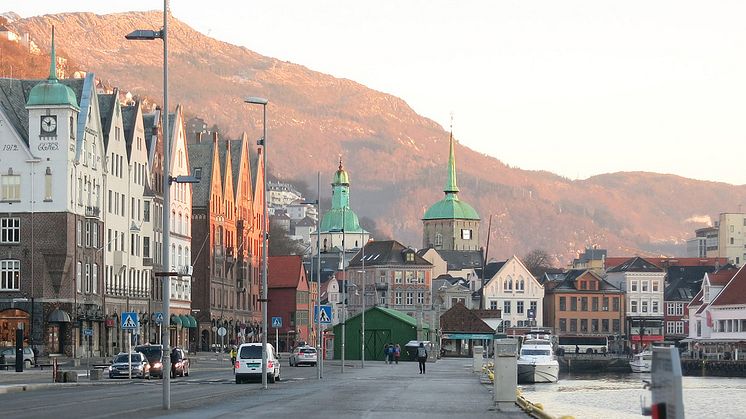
(253, 100)
(149, 35)
(319, 351)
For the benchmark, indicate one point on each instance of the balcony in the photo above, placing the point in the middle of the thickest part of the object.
(147, 261)
(185, 270)
(382, 286)
(92, 211)
(229, 253)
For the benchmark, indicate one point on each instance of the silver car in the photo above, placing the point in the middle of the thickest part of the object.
(120, 366)
(9, 355)
(303, 355)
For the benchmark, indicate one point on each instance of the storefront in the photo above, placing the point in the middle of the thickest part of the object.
(10, 320)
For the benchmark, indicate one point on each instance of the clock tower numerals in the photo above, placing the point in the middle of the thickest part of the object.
(49, 125)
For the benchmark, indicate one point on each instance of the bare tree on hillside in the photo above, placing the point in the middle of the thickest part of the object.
(280, 244)
(537, 262)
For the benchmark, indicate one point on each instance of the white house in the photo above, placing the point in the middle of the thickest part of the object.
(514, 290)
(707, 310)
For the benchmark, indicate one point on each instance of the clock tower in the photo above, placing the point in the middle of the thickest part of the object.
(53, 112)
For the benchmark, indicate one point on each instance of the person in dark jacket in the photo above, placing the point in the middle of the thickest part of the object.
(422, 357)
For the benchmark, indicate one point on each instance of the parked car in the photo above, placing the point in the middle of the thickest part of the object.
(120, 366)
(8, 356)
(303, 355)
(180, 363)
(249, 363)
(154, 355)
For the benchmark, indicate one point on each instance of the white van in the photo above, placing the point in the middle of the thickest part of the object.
(249, 363)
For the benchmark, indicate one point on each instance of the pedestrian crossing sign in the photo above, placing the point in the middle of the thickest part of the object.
(276, 322)
(129, 320)
(324, 315)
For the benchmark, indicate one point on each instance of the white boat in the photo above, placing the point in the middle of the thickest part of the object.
(536, 362)
(642, 362)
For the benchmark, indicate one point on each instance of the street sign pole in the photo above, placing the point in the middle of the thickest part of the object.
(277, 339)
(129, 352)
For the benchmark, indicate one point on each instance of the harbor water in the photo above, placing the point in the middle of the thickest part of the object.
(618, 396)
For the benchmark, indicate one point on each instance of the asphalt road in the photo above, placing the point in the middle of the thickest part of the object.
(379, 391)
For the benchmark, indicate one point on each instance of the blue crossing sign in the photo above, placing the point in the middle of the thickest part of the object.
(323, 316)
(277, 322)
(129, 320)
(158, 317)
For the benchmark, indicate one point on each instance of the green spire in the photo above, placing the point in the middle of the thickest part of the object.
(53, 61)
(451, 179)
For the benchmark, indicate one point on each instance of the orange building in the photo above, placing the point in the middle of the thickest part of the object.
(581, 303)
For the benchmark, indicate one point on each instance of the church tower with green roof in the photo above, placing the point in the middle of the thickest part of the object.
(451, 224)
(340, 222)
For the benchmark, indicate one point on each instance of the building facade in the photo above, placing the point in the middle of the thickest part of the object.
(517, 293)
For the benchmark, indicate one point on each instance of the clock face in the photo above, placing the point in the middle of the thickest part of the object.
(48, 124)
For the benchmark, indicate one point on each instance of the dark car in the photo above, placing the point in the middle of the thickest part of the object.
(179, 363)
(123, 363)
(154, 354)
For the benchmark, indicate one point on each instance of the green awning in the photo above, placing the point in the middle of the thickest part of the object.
(193, 321)
(176, 320)
(185, 321)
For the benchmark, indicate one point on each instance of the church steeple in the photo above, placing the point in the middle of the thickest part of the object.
(451, 186)
(51, 92)
(53, 62)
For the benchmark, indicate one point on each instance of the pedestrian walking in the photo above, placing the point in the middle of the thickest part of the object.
(397, 353)
(386, 353)
(422, 357)
(233, 358)
(391, 353)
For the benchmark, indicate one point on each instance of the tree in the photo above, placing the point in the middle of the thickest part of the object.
(280, 243)
(369, 224)
(537, 262)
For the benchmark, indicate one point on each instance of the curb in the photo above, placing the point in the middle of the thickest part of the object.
(17, 388)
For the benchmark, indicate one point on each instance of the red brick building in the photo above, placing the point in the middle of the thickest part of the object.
(289, 298)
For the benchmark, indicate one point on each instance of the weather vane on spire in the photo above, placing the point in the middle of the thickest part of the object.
(340, 161)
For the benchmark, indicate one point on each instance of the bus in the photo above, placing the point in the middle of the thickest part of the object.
(583, 344)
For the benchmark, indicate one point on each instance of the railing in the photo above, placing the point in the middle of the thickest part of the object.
(381, 286)
(92, 211)
(147, 261)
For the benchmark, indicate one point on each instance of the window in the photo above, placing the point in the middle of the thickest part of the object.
(48, 185)
(671, 309)
(654, 306)
(146, 247)
(563, 325)
(87, 234)
(594, 325)
(670, 328)
(633, 306)
(410, 257)
(382, 300)
(616, 325)
(519, 307)
(633, 286)
(397, 277)
(420, 277)
(466, 234)
(562, 304)
(573, 325)
(506, 307)
(493, 305)
(146, 211)
(584, 325)
(584, 304)
(594, 304)
(604, 325)
(80, 233)
(616, 304)
(410, 298)
(420, 297)
(655, 286)
(644, 286)
(534, 305)
(94, 282)
(10, 187)
(94, 235)
(10, 230)
(410, 277)
(87, 278)
(397, 298)
(10, 275)
(78, 277)
(583, 285)
(644, 306)
(680, 311)
(680, 328)
(605, 304)
(573, 303)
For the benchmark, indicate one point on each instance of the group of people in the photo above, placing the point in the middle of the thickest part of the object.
(392, 352)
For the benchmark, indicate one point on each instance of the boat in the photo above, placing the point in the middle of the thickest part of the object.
(536, 361)
(642, 362)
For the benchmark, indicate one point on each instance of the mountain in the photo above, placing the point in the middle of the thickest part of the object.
(395, 157)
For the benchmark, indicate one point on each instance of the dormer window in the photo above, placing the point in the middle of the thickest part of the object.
(410, 256)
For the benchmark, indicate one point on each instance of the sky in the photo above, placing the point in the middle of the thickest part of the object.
(577, 88)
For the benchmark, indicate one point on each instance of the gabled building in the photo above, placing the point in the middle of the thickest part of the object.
(700, 318)
(449, 291)
(643, 284)
(289, 294)
(515, 291)
(51, 196)
(582, 303)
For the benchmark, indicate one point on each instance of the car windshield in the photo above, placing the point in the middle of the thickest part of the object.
(153, 353)
(251, 352)
(308, 350)
(8, 351)
(125, 358)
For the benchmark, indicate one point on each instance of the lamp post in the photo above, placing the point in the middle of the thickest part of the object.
(362, 327)
(263, 142)
(319, 351)
(344, 292)
(148, 35)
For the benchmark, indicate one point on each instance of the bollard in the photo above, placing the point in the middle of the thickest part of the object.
(478, 359)
(59, 377)
(95, 374)
(506, 375)
(71, 377)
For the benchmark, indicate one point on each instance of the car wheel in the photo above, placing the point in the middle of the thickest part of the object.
(238, 380)
(27, 364)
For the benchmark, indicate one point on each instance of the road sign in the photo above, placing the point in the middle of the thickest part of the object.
(129, 320)
(87, 332)
(222, 332)
(531, 314)
(325, 315)
(158, 317)
(277, 322)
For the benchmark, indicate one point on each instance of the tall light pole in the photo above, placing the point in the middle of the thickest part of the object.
(362, 327)
(265, 235)
(344, 291)
(165, 338)
(319, 347)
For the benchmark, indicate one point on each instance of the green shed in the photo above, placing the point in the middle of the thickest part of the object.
(382, 326)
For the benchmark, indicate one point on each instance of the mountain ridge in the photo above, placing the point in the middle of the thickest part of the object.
(395, 157)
